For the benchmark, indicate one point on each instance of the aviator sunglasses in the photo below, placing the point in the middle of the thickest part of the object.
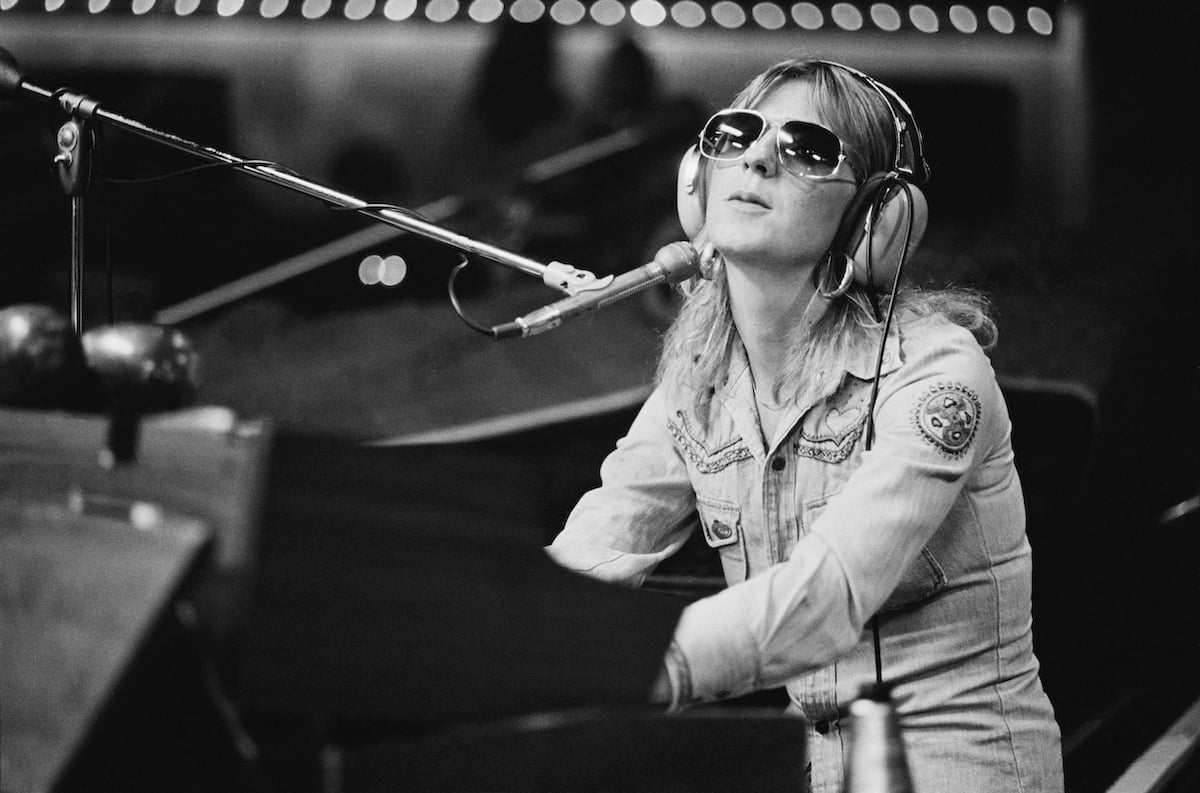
(806, 150)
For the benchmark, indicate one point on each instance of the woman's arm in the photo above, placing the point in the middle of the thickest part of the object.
(641, 513)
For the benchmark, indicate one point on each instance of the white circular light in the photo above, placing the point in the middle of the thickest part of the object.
(399, 10)
(527, 10)
(885, 17)
(648, 13)
(688, 14)
(145, 516)
(846, 16)
(228, 8)
(392, 270)
(808, 16)
(142, 6)
(369, 269)
(728, 14)
(485, 10)
(185, 8)
(963, 19)
(315, 9)
(441, 10)
(567, 12)
(272, 8)
(607, 12)
(1040, 21)
(1001, 19)
(96, 6)
(923, 18)
(358, 9)
(769, 16)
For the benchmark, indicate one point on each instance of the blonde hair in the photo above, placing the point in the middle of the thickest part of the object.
(698, 345)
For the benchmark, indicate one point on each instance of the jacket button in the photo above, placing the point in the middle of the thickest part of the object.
(822, 726)
(721, 530)
(778, 464)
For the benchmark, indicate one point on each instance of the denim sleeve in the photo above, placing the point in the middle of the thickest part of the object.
(937, 418)
(642, 512)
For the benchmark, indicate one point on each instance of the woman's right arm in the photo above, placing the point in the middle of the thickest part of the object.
(643, 510)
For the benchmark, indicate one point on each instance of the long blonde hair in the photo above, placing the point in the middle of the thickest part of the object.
(698, 346)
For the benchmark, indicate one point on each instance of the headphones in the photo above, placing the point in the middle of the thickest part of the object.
(871, 234)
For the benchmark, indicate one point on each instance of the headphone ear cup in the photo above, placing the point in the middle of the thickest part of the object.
(687, 195)
(887, 241)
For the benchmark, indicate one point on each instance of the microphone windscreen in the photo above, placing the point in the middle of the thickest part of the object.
(679, 261)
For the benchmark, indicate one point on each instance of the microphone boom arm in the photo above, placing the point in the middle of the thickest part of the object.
(556, 275)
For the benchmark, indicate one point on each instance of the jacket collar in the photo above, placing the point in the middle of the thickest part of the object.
(862, 362)
(736, 394)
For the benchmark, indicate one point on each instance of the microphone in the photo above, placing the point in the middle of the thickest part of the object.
(672, 264)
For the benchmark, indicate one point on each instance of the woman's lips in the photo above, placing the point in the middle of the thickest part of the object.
(748, 197)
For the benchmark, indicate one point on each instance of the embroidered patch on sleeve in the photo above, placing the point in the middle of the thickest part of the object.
(947, 416)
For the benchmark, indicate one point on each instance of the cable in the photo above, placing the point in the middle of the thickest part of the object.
(196, 168)
(412, 213)
(472, 324)
(878, 654)
(869, 429)
(108, 262)
(887, 322)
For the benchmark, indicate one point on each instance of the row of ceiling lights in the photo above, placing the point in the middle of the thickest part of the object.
(649, 13)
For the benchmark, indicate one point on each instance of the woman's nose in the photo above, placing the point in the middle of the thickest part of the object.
(761, 155)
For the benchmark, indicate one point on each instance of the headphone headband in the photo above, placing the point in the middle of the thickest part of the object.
(914, 167)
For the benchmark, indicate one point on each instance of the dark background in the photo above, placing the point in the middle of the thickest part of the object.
(1099, 351)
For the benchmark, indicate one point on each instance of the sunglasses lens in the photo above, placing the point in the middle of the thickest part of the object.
(809, 150)
(727, 135)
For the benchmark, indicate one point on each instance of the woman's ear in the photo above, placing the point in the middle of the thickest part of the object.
(890, 225)
(688, 194)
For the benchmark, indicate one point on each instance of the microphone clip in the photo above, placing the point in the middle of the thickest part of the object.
(572, 280)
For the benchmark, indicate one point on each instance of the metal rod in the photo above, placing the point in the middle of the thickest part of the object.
(273, 174)
(77, 242)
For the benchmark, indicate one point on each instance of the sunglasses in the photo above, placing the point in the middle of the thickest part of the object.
(807, 150)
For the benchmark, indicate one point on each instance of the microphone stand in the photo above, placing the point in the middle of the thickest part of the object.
(75, 162)
(85, 110)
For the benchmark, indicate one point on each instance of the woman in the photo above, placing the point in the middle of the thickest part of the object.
(848, 455)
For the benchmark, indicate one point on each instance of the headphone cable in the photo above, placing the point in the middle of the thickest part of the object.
(869, 430)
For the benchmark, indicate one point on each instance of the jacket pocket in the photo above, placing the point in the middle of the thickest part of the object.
(828, 433)
(923, 579)
(721, 523)
(707, 455)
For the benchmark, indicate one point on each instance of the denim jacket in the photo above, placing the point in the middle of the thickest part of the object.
(816, 534)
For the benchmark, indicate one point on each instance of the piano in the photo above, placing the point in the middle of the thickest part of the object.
(245, 607)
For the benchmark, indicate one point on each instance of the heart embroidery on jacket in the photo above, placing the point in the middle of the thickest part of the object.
(838, 421)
